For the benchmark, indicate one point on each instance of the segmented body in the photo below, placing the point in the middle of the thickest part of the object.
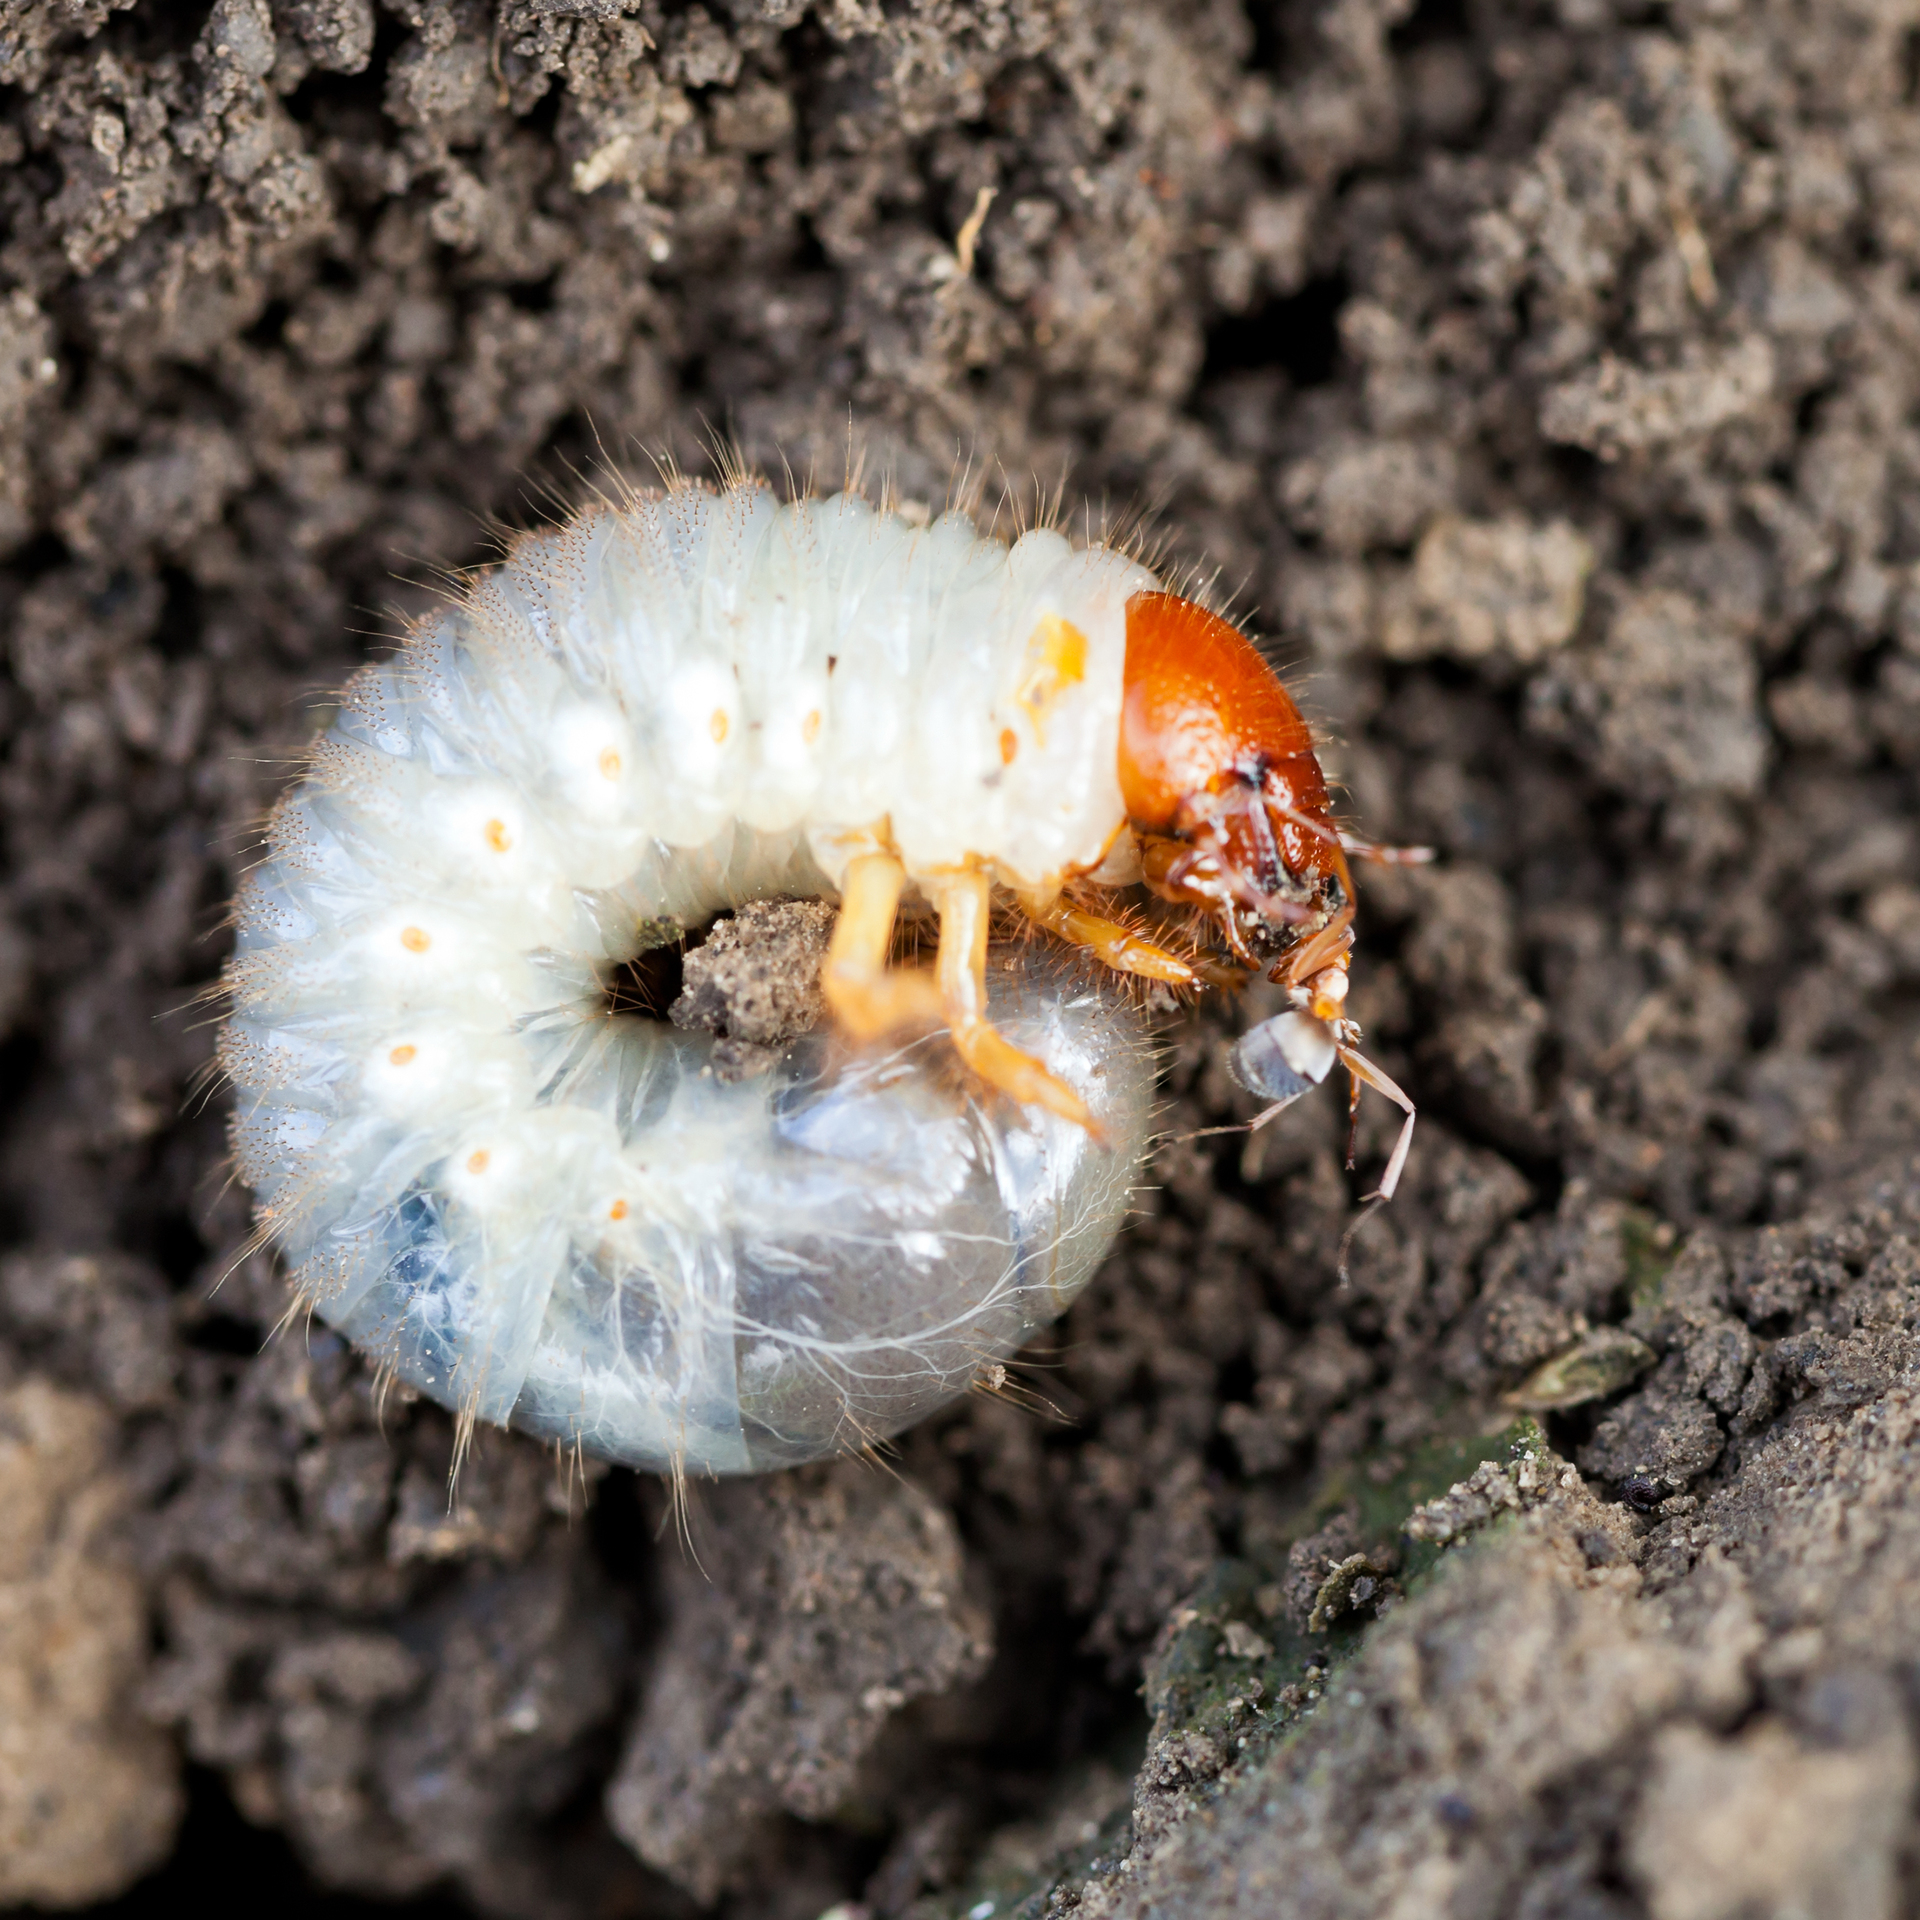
(533, 1210)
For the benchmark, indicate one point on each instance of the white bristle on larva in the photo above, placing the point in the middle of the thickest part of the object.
(535, 1210)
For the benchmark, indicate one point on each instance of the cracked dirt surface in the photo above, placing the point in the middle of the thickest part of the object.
(1543, 379)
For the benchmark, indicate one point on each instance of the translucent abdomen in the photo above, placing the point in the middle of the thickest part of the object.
(810, 1260)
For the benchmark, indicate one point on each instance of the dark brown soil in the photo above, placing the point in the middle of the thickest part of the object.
(1544, 379)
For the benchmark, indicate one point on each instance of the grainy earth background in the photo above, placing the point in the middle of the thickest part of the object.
(1544, 379)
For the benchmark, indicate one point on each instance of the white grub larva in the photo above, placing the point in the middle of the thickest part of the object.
(536, 1210)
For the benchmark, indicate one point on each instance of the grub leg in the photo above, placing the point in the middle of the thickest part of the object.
(869, 998)
(962, 901)
(1111, 944)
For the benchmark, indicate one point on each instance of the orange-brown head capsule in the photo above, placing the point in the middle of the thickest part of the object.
(1229, 807)
(1220, 779)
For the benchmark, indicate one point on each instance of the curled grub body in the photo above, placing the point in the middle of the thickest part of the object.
(537, 1210)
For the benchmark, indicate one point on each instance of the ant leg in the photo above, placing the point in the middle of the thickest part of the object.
(869, 998)
(1111, 944)
(1192, 873)
(1221, 973)
(1319, 949)
(962, 901)
(1363, 1069)
(1385, 856)
(1195, 876)
(1351, 843)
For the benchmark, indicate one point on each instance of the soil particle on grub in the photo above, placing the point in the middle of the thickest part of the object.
(755, 982)
(1542, 382)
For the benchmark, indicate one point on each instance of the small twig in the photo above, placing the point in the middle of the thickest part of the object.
(968, 237)
(1695, 255)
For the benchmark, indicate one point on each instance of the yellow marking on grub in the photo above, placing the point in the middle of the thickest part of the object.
(810, 727)
(1063, 647)
(618, 1211)
(1058, 650)
(402, 1056)
(477, 1161)
(497, 836)
(717, 726)
(1009, 746)
(609, 764)
(415, 939)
